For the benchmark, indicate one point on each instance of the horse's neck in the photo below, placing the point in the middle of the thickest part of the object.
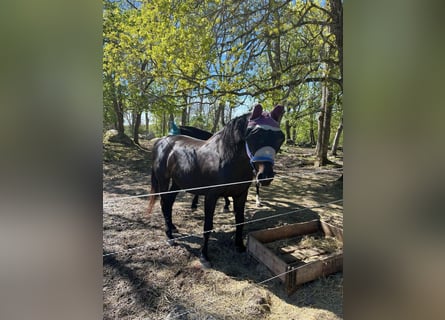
(230, 140)
(232, 150)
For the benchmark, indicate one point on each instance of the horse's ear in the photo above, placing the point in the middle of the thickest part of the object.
(257, 111)
(277, 113)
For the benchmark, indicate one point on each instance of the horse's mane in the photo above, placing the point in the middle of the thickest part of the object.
(235, 130)
(230, 138)
(195, 132)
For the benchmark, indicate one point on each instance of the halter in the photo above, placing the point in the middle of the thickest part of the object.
(254, 159)
(267, 121)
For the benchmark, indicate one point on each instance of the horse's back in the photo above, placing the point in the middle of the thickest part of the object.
(168, 143)
(176, 152)
(188, 161)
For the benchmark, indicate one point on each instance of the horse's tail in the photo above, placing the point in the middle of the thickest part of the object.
(154, 189)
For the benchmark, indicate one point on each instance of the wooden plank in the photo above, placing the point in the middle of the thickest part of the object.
(333, 264)
(312, 271)
(309, 272)
(287, 231)
(291, 281)
(291, 258)
(300, 272)
(289, 249)
(266, 256)
(331, 231)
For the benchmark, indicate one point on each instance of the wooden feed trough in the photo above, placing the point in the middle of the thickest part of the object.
(307, 250)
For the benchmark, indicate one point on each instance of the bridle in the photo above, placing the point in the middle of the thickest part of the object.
(253, 159)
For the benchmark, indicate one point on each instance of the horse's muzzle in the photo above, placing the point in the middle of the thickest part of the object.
(265, 173)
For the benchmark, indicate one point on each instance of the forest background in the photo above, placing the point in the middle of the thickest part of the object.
(201, 63)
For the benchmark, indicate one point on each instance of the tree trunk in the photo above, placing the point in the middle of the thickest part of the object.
(223, 120)
(147, 124)
(217, 116)
(184, 117)
(130, 118)
(327, 124)
(311, 130)
(137, 124)
(324, 127)
(119, 110)
(287, 130)
(294, 127)
(118, 107)
(327, 100)
(336, 9)
(184, 112)
(119, 117)
(337, 137)
(201, 107)
(287, 126)
(188, 114)
(320, 121)
(164, 124)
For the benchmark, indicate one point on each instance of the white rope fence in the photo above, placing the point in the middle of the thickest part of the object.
(223, 228)
(185, 190)
(278, 176)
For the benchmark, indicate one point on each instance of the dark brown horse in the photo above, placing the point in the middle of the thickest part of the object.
(244, 148)
(202, 135)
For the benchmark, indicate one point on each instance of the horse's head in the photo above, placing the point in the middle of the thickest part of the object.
(263, 140)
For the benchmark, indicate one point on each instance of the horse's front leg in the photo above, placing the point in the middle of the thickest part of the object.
(238, 205)
(209, 210)
(167, 201)
(258, 201)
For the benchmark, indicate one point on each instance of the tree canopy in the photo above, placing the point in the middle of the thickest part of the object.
(170, 56)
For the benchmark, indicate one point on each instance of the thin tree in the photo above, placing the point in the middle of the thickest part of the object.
(337, 137)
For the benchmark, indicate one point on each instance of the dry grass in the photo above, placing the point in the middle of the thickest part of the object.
(160, 281)
(326, 244)
(306, 248)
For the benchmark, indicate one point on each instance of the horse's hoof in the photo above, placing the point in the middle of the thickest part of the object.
(169, 232)
(205, 263)
(171, 242)
(194, 208)
(259, 205)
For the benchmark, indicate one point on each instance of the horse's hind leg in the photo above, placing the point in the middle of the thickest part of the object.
(195, 202)
(227, 204)
(167, 201)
